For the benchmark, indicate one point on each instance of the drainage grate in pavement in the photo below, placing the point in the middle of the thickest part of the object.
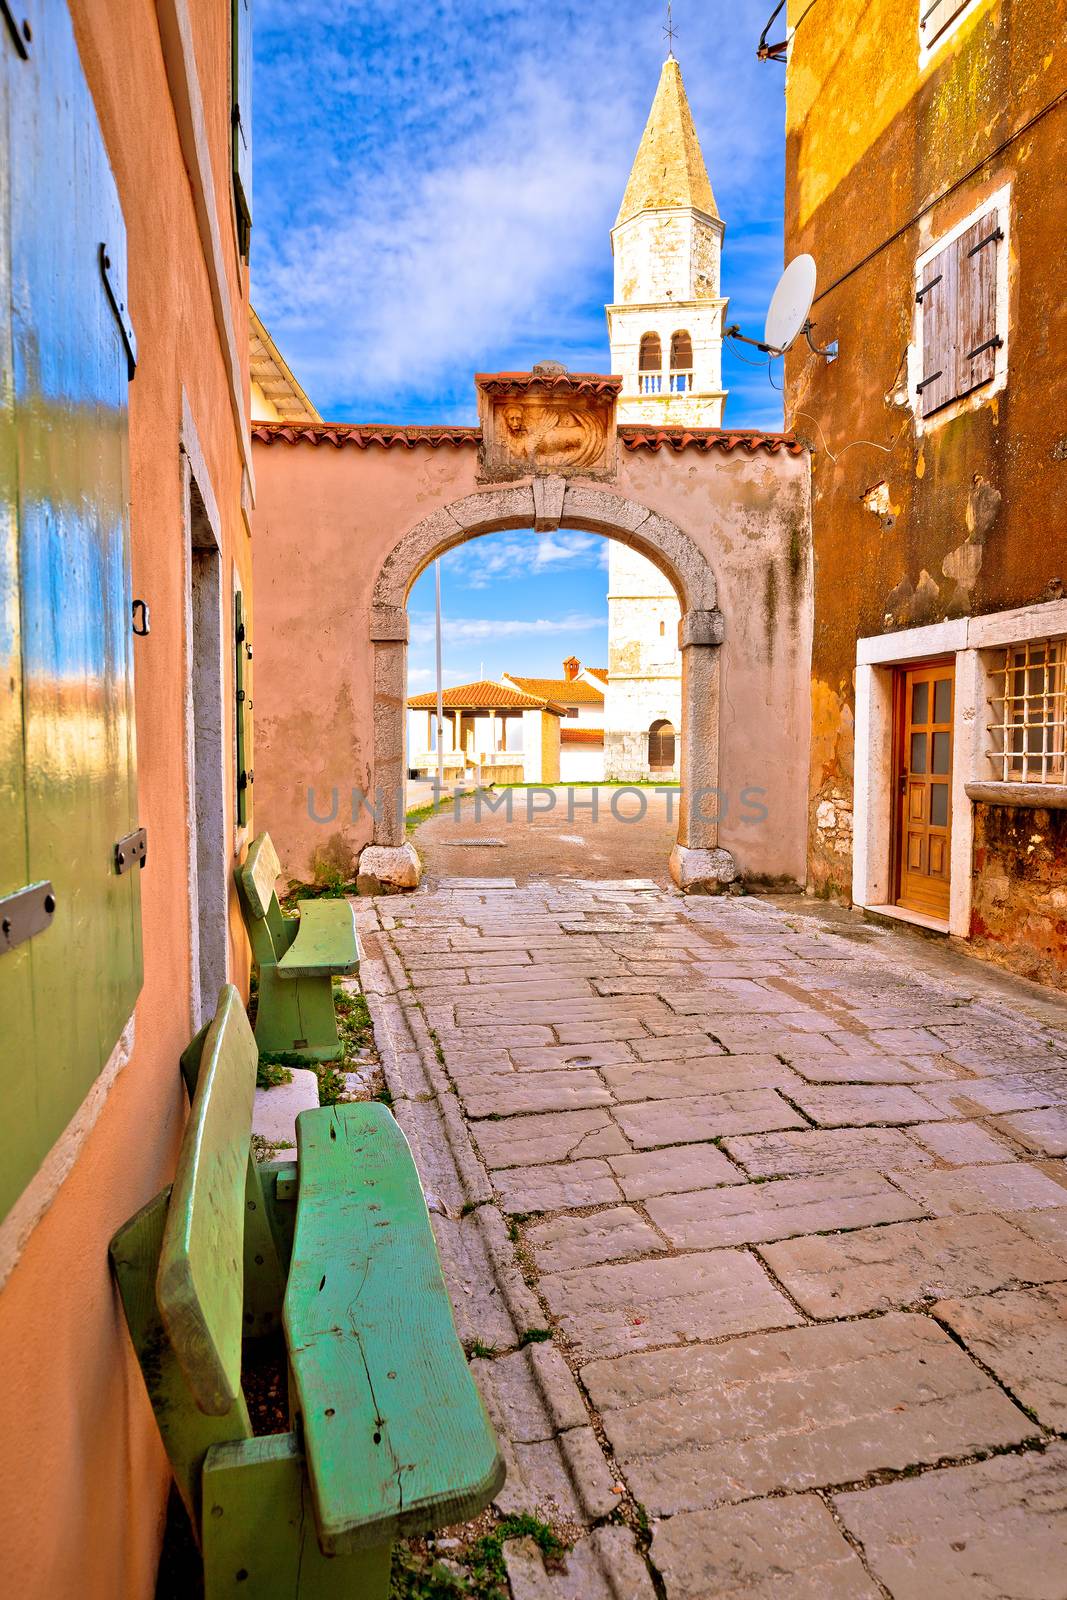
(472, 844)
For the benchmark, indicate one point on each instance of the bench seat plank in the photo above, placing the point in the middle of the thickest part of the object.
(326, 942)
(396, 1435)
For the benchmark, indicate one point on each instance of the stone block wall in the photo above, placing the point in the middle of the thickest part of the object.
(1019, 911)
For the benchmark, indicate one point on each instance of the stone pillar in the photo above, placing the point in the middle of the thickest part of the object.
(389, 863)
(697, 864)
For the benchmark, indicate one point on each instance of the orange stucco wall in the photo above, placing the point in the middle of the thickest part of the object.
(327, 517)
(82, 1475)
(971, 518)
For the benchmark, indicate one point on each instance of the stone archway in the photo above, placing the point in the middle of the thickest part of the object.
(697, 864)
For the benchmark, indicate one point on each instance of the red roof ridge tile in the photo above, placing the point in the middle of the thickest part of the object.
(386, 435)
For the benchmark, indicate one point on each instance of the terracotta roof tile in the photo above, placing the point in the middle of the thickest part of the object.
(639, 436)
(482, 696)
(599, 672)
(581, 735)
(386, 435)
(572, 382)
(571, 691)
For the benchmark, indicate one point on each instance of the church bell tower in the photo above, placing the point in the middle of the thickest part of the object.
(665, 326)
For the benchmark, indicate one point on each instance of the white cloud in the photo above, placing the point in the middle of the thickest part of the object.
(485, 561)
(472, 630)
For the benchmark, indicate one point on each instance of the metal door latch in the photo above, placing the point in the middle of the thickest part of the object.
(118, 306)
(132, 851)
(21, 32)
(26, 912)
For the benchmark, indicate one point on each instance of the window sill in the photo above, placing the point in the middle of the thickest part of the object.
(1041, 796)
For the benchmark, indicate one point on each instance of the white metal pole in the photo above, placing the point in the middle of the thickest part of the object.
(440, 690)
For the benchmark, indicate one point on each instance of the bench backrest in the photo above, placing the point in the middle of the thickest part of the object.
(269, 931)
(199, 1285)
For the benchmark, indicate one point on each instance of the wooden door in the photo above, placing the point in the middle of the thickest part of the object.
(924, 784)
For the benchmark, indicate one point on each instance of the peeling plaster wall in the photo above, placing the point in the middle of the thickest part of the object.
(1019, 911)
(962, 514)
(325, 520)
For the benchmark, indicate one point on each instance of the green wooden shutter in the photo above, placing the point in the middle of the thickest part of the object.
(67, 766)
(242, 118)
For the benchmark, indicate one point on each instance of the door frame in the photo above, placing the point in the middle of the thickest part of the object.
(899, 795)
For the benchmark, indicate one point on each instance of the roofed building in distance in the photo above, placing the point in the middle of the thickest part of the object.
(491, 733)
(275, 393)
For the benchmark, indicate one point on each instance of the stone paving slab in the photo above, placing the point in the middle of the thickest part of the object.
(589, 1241)
(607, 1310)
(673, 1171)
(993, 1531)
(855, 1106)
(708, 1116)
(797, 1155)
(605, 1565)
(785, 1549)
(501, 1094)
(840, 1068)
(1043, 1132)
(1021, 1335)
(550, 1188)
(698, 1075)
(877, 1269)
(812, 1406)
(753, 1212)
(550, 1136)
(1011, 1186)
(960, 1144)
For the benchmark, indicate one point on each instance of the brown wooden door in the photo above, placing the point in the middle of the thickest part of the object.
(924, 784)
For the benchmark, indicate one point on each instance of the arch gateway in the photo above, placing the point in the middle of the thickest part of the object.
(347, 517)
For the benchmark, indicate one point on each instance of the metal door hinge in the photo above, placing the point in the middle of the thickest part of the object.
(26, 912)
(21, 32)
(118, 306)
(131, 851)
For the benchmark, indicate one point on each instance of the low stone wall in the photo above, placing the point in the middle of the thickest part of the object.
(1019, 912)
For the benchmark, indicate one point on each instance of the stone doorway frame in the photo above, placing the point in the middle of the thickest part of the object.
(543, 504)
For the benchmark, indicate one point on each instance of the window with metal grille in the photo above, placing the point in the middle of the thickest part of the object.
(957, 296)
(681, 362)
(650, 364)
(1028, 699)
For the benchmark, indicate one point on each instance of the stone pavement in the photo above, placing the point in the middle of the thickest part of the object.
(756, 1229)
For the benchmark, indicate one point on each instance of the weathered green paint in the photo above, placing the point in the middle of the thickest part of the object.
(240, 718)
(259, 1531)
(378, 1368)
(67, 775)
(186, 1431)
(296, 957)
(200, 1283)
(397, 1438)
(326, 940)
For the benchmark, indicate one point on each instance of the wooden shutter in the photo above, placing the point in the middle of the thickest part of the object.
(938, 296)
(67, 766)
(241, 113)
(935, 16)
(977, 273)
(661, 747)
(242, 712)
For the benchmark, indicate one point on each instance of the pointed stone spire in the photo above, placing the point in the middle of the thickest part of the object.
(669, 168)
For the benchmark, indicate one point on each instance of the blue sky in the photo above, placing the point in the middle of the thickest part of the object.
(434, 190)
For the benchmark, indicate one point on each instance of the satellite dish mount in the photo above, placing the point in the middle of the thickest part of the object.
(789, 314)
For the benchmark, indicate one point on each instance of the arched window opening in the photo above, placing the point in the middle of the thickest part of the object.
(650, 364)
(661, 747)
(681, 362)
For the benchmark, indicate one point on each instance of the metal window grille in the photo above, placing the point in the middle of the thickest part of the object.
(1028, 731)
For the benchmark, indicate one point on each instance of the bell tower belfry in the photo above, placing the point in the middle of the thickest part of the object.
(665, 326)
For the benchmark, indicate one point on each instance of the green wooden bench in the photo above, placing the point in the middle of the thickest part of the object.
(388, 1436)
(297, 959)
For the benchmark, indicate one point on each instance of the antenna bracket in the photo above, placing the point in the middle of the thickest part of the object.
(828, 352)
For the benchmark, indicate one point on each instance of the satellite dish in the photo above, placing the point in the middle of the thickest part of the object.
(790, 304)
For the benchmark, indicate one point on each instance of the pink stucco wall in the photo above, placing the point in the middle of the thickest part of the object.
(326, 518)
